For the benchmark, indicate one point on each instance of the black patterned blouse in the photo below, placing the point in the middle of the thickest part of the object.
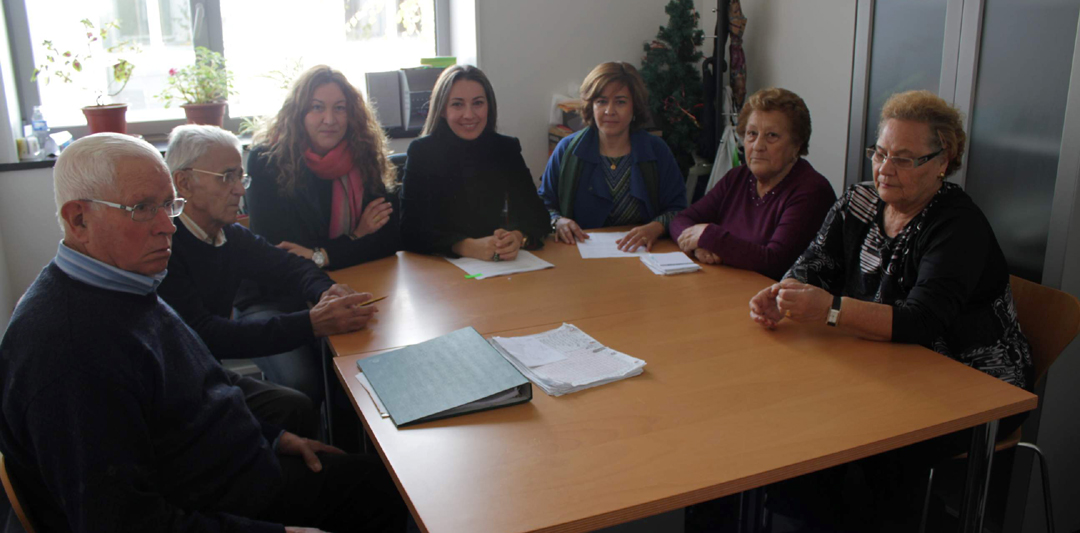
(944, 274)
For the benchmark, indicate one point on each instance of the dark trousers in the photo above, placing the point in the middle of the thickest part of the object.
(879, 493)
(351, 493)
(281, 406)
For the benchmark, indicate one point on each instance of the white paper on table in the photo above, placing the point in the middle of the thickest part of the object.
(670, 263)
(587, 362)
(530, 351)
(672, 259)
(524, 262)
(371, 393)
(602, 245)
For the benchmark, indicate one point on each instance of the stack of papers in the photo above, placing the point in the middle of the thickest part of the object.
(670, 263)
(566, 360)
(477, 269)
(602, 244)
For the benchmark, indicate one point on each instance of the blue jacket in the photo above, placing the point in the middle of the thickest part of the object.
(593, 202)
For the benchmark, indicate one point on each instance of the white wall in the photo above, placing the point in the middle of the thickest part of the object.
(807, 48)
(7, 296)
(30, 231)
(532, 50)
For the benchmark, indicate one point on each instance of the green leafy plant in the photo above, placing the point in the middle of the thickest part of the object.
(204, 82)
(671, 72)
(66, 65)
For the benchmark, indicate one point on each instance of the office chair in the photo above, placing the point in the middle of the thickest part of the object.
(1050, 319)
(13, 497)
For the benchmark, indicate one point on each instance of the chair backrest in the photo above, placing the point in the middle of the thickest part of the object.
(13, 497)
(1048, 317)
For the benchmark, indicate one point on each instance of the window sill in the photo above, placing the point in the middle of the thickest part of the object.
(161, 142)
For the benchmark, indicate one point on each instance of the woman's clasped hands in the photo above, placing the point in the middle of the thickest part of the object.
(792, 299)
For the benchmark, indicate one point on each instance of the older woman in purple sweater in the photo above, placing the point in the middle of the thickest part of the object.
(762, 215)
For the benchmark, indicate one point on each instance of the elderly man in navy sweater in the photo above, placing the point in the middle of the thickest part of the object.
(213, 257)
(116, 417)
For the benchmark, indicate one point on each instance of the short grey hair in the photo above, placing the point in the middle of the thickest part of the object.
(189, 142)
(87, 169)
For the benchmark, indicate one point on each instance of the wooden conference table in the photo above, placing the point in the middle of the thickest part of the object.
(723, 406)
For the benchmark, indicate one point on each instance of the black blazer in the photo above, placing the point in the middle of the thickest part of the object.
(304, 218)
(456, 189)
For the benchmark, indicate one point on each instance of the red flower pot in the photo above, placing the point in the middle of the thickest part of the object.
(112, 117)
(212, 114)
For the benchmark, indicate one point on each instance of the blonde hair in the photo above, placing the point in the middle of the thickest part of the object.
(288, 139)
(786, 102)
(619, 73)
(943, 119)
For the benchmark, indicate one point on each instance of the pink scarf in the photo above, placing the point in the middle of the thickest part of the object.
(347, 203)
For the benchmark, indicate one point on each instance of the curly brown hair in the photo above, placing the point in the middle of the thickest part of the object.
(786, 102)
(619, 73)
(930, 109)
(287, 139)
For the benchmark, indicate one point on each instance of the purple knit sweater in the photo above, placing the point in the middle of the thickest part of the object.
(761, 234)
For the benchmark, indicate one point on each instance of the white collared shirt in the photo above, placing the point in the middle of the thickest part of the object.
(217, 241)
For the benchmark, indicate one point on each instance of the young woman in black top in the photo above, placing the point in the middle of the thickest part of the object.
(467, 191)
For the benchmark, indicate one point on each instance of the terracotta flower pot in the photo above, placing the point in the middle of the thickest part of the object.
(212, 114)
(112, 117)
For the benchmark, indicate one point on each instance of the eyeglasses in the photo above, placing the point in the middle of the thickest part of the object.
(229, 178)
(905, 163)
(145, 212)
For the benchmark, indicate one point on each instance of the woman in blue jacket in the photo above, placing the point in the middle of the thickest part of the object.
(613, 173)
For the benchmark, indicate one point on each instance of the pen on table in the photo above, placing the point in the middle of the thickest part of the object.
(373, 300)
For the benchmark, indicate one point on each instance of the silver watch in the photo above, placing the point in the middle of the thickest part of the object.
(319, 256)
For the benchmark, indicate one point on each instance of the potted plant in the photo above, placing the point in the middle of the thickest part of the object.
(203, 87)
(66, 66)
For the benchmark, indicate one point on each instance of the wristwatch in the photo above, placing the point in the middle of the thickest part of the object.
(834, 312)
(555, 223)
(319, 256)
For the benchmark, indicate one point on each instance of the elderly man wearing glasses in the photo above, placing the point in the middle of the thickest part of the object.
(115, 415)
(213, 256)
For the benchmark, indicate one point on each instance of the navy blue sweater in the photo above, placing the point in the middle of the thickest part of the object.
(115, 417)
(203, 281)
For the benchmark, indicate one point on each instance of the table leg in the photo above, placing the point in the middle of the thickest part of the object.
(751, 510)
(324, 355)
(980, 458)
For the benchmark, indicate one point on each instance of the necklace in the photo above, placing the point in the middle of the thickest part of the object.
(614, 162)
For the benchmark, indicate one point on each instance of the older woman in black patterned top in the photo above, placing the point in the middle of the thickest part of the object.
(911, 259)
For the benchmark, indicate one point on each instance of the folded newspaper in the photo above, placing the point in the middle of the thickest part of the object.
(566, 360)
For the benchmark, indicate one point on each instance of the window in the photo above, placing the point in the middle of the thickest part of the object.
(353, 36)
(159, 28)
(266, 43)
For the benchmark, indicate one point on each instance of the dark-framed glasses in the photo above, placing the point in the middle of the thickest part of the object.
(905, 163)
(145, 212)
(229, 178)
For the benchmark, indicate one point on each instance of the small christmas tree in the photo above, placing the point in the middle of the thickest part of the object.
(670, 71)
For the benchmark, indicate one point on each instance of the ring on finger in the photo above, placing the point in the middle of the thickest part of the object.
(787, 313)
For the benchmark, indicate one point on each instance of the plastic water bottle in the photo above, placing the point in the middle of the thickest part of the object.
(41, 128)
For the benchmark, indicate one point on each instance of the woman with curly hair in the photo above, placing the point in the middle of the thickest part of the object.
(321, 188)
(321, 177)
